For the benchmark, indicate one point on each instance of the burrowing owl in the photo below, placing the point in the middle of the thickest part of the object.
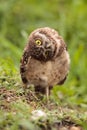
(45, 61)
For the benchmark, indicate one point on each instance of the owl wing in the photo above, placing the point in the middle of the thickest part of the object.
(62, 81)
(62, 48)
(23, 66)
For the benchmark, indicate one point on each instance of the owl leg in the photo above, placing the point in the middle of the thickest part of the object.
(47, 94)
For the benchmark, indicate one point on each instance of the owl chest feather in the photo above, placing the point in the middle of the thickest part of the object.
(38, 72)
(47, 73)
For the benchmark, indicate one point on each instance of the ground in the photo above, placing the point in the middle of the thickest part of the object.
(19, 110)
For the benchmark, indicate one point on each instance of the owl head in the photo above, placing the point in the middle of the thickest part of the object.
(44, 44)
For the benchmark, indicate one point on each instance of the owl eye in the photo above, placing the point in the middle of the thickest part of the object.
(46, 53)
(38, 42)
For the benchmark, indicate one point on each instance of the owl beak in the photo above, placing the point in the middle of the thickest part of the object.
(45, 54)
(47, 45)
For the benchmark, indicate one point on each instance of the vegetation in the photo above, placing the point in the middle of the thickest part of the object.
(68, 102)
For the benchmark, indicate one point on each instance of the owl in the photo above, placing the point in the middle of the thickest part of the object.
(45, 61)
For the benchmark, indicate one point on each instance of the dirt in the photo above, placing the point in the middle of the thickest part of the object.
(7, 96)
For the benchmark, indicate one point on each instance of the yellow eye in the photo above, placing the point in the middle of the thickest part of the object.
(38, 42)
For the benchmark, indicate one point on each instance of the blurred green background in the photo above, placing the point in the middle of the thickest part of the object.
(69, 17)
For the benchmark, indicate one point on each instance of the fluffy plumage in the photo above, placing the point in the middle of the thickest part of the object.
(45, 61)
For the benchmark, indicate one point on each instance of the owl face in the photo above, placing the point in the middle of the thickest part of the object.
(41, 45)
